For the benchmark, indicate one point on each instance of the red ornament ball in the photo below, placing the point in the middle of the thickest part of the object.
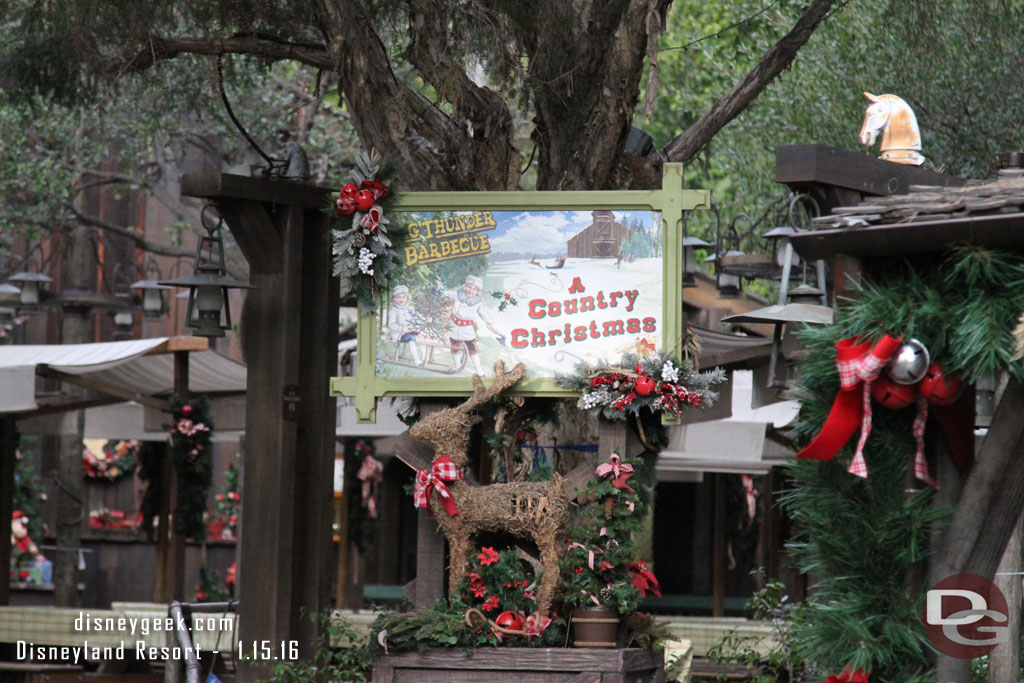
(511, 620)
(645, 386)
(939, 388)
(639, 369)
(893, 395)
(365, 200)
(349, 190)
(186, 410)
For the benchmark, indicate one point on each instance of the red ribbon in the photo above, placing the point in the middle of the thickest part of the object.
(849, 676)
(443, 470)
(859, 364)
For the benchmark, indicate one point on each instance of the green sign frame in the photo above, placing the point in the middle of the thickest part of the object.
(670, 201)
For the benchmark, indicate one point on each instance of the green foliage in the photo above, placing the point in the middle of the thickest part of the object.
(444, 626)
(776, 657)
(599, 567)
(496, 583)
(864, 537)
(339, 654)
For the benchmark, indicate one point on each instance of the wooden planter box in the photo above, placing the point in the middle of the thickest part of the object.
(522, 665)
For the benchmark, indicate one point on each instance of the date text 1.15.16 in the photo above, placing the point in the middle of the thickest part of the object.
(281, 650)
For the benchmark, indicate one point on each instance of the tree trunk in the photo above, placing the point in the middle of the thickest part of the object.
(79, 272)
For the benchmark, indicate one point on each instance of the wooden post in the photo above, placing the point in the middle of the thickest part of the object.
(289, 333)
(161, 587)
(8, 449)
(1004, 662)
(175, 587)
(718, 550)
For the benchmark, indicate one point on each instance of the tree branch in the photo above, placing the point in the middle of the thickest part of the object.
(159, 49)
(139, 240)
(779, 57)
(489, 148)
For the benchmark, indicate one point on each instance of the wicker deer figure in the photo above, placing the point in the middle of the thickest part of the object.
(537, 510)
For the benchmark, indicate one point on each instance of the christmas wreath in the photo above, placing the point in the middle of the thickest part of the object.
(191, 453)
(105, 518)
(367, 239)
(653, 382)
(115, 459)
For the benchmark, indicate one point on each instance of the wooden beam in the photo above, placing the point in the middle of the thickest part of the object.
(102, 387)
(256, 234)
(63, 404)
(175, 344)
(993, 231)
(803, 166)
(219, 186)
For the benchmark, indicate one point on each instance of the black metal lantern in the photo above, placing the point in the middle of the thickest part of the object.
(209, 311)
(32, 286)
(153, 303)
(799, 311)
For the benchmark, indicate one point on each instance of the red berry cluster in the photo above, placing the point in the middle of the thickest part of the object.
(624, 401)
(607, 379)
(672, 395)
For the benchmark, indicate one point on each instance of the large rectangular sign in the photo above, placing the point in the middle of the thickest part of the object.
(544, 278)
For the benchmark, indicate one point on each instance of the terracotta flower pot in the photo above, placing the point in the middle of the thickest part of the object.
(594, 626)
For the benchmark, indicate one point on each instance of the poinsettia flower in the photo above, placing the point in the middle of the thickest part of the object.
(490, 603)
(473, 577)
(605, 564)
(643, 579)
(479, 590)
(487, 556)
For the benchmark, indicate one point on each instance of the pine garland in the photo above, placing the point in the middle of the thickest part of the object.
(367, 243)
(635, 382)
(192, 454)
(863, 537)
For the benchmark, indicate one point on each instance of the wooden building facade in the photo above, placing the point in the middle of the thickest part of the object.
(600, 239)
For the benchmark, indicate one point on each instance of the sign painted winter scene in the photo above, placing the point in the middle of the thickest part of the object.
(548, 288)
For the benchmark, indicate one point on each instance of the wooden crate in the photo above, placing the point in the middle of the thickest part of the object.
(522, 665)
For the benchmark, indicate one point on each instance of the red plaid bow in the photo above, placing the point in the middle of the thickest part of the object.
(859, 364)
(371, 473)
(426, 482)
(620, 472)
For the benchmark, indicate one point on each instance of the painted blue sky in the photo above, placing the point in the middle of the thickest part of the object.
(547, 232)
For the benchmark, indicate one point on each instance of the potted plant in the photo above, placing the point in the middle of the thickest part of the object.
(602, 575)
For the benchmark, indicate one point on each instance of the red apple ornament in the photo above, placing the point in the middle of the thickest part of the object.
(893, 395)
(939, 388)
(349, 190)
(513, 621)
(186, 410)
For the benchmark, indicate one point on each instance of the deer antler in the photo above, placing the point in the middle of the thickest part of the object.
(502, 381)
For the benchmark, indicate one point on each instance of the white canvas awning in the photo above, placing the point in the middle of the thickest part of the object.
(123, 370)
(737, 444)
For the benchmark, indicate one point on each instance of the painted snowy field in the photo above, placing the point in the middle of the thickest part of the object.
(612, 308)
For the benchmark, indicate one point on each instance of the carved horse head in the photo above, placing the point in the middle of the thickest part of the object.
(895, 120)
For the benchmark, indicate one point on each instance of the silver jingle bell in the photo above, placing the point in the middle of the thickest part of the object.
(910, 364)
